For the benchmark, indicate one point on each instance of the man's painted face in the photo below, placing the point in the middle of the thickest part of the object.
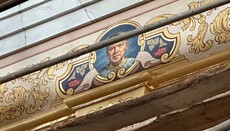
(116, 52)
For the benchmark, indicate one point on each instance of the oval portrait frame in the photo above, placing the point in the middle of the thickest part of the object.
(136, 42)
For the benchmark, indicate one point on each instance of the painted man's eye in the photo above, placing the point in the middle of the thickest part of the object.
(110, 48)
(120, 45)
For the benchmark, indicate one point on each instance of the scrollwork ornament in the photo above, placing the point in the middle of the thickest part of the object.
(165, 58)
(121, 73)
(16, 99)
(19, 96)
(3, 89)
(40, 99)
(97, 109)
(141, 40)
(204, 2)
(126, 99)
(92, 59)
(197, 43)
(111, 76)
(220, 27)
(10, 112)
(69, 91)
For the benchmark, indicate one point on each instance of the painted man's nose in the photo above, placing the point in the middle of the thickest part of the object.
(116, 49)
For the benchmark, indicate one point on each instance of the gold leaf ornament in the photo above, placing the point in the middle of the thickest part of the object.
(60, 65)
(19, 96)
(197, 43)
(40, 99)
(3, 89)
(17, 100)
(220, 27)
(50, 72)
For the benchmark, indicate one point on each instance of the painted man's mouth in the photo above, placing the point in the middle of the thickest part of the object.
(116, 56)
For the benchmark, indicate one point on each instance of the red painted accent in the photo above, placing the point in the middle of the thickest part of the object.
(74, 83)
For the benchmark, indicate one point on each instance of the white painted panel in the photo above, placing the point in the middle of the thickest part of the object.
(30, 3)
(34, 15)
(12, 43)
(61, 24)
(106, 7)
(10, 24)
(84, 1)
(75, 19)
(22, 6)
(47, 10)
(56, 26)
(9, 11)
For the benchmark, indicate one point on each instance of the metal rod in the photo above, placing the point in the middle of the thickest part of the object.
(110, 41)
(9, 4)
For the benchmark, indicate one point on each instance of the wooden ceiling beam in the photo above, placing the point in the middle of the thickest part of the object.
(7, 4)
(2, 1)
(199, 117)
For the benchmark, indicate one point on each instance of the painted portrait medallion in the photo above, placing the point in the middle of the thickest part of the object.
(117, 60)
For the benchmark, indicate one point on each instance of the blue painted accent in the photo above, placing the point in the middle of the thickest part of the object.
(74, 76)
(156, 48)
